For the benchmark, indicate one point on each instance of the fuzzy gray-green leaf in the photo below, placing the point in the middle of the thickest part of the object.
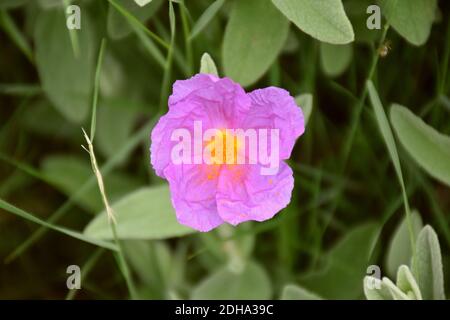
(143, 214)
(428, 269)
(207, 65)
(324, 20)
(399, 250)
(251, 44)
(296, 292)
(429, 148)
(412, 19)
(305, 101)
(252, 283)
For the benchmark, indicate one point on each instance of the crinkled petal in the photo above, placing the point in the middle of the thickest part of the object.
(226, 103)
(216, 106)
(193, 196)
(161, 142)
(182, 88)
(248, 195)
(275, 108)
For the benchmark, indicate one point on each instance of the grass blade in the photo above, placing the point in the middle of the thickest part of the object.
(388, 137)
(205, 18)
(134, 21)
(74, 234)
(123, 266)
(168, 65)
(14, 33)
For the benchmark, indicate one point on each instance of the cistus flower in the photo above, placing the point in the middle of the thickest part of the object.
(209, 193)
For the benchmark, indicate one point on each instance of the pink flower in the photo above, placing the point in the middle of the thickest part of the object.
(206, 195)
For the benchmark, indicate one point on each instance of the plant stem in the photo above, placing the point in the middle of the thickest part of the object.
(187, 39)
(359, 107)
(133, 20)
(101, 186)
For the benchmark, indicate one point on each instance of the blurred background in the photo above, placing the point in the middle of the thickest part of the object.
(347, 206)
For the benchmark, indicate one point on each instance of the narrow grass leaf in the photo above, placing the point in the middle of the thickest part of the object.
(117, 25)
(136, 22)
(96, 87)
(15, 34)
(30, 217)
(206, 17)
(386, 132)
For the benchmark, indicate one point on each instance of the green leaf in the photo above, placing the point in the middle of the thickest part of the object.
(406, 288)
(49, 4)
(324, 20)
(10, 27)
(207, 65)
(152, 262)
(335, 59)
(66, 80)
(254, 36)
(429, 148)
(143, 214)
(428, 269)
(206, 17)
(142, 2)
(9, 4)
(399, 250)
(385, 129)
(375, 289)
(345, 266)
(68, 174)
(115, 126)
(305, 101)
(55, 124)
(412, 19)
(407, 283)
(295, 292)
(396, 293)
(386, 132)
(117, 24)
(252, 283)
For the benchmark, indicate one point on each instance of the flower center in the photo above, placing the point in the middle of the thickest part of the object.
(224, 148)
(223, 151)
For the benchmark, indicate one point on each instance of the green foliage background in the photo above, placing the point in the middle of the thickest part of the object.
(368, 176)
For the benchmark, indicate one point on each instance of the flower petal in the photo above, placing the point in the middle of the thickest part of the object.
(193, 196)
(216, 106)
(274, 108)
(253, 196)
(182, 88)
